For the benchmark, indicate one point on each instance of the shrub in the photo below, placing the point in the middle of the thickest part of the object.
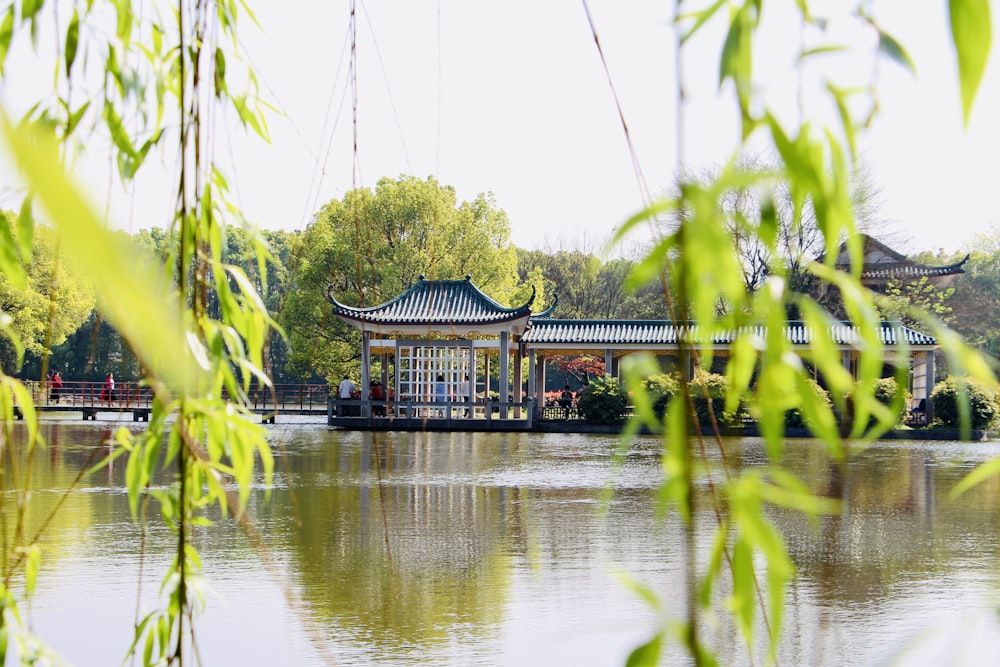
(661, 388)
(715, 386)
(794, 417)
(983, 408)
(603, 401)
(887, 389)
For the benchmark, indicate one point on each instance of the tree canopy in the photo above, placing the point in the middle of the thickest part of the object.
(53, 300)
(372, 245)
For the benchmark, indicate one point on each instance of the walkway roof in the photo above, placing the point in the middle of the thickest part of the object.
(460, 308)
(652, 334)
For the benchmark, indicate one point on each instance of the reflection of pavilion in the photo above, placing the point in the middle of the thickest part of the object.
(439, 343)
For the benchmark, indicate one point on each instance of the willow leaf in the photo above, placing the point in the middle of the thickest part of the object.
(133, 295)
(6, 35)
(72, 40)
(736, 62)
(981, 473)
(10, 264)
(972, 34)
(700, 19)
(647, 655)
(888, 45)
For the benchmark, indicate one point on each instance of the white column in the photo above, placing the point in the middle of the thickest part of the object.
(366, 371)
(518, 385)
(504, 372)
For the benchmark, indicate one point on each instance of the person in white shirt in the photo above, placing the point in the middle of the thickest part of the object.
(346, 393)
(347, 388)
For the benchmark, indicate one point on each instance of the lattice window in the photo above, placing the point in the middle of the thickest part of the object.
(433, 374)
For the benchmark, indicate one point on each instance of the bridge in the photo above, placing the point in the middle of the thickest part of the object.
(90, 399)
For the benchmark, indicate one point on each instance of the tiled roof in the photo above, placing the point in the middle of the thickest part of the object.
(908, 270)
(883, 263)
(435, 302)
(665, 332)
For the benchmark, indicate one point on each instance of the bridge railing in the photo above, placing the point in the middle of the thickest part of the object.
(90, 394)
(301, 396)
(128, 395)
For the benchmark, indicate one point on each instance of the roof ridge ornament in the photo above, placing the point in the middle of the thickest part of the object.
(548, 311)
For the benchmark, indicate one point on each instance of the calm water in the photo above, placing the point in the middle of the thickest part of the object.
(483, 549)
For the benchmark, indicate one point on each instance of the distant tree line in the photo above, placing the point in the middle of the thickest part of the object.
(374, 244)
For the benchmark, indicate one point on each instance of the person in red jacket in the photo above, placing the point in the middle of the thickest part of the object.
(108, 392)
(55, 385)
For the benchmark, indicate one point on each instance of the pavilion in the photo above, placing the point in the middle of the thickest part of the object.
(881, 265)
(429, 340)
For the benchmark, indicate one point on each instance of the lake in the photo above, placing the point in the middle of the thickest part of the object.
(509, 549)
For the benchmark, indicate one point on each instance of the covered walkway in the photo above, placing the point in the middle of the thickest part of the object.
(442, 346)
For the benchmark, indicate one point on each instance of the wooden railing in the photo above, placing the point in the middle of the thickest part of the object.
(129, 395)
(72, 394)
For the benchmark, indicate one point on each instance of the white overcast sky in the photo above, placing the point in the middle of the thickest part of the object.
(511, 98)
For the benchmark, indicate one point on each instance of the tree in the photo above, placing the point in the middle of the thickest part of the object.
(774, 231)
(373, 245)
(975, 299)
(582, 368)
(903, 298)
(712, 282)
(570, 274)
(130, 80)
(54, 300)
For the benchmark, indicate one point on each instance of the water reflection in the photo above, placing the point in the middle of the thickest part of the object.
(499, 549)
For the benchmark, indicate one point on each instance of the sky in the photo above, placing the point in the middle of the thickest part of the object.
(512, 98)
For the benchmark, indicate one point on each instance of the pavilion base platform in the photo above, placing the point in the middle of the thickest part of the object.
(428, 424)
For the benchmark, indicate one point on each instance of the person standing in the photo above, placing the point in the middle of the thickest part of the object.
(108, 394)
(464, 391)
(377, 393)
(56, 384)
(566, 401)
(440, 392)
(346, 392)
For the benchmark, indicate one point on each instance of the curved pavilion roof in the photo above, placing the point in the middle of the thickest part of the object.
(882, 264)
(460, 308)
(452, 307)
(664, 334)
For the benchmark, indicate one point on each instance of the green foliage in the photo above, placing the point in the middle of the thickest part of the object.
(661, 389)
(920, 296)
(959, 400)
(372, 246)
(892, 395)
(708, 393)
(972, 35)
(589, 288)
(816, 168)
(796, 418)
(603, 401)
(197, 319)
(53, 300)
(975, 303)
(196, 323)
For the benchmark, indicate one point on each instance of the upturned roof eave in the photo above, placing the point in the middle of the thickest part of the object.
(515, 324)
(496, 311)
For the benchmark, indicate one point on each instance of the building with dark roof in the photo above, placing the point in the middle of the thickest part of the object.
(882, 265)
(431, 337)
